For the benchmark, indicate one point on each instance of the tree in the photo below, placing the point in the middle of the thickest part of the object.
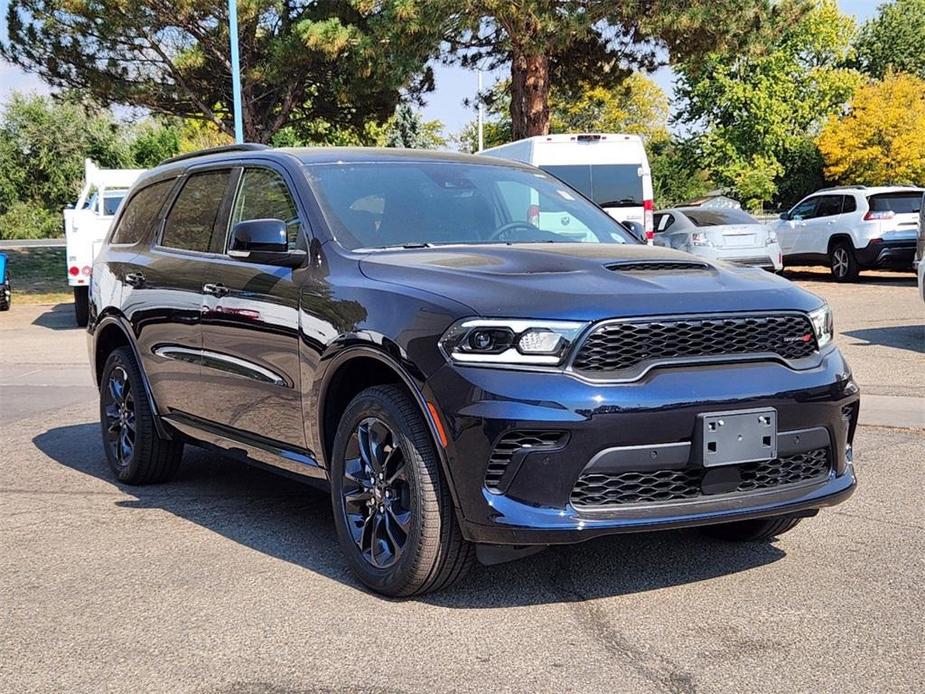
(302, 62)
(407, 129)
(894, 40)
(637, 107)
(676, 176)
(881, 139)
(752, 113)
(556, 43)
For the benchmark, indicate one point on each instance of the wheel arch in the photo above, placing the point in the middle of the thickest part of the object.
(110, 333)
(838, 238)
(352, 371)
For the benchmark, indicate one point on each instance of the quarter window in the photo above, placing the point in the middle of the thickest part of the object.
(191, 222)
(141, 212)
(850, 205)
(264, 195)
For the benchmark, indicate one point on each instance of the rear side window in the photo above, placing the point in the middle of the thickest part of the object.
(898, 203)
(829, 205)
(850, 204)
(141, 212)
(264, 195)
(719, 217)
(191, 221)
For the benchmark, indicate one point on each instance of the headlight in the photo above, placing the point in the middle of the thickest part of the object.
(698, 238)
(498, 341)
(772, 237)
(822, 325)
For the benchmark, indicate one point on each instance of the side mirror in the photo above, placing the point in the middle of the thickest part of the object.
(785, 216)
(263, 241)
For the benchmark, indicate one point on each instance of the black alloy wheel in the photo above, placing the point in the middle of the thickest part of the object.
(118, 405)
(377, 495)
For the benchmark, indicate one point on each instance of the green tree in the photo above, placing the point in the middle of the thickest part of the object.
(676, 176)
(752, 113)
(556, 43)
(881, 140)
(893, 40)
(332, 61)
(407, 129)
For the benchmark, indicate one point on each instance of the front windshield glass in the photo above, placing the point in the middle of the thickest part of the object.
(409, 204)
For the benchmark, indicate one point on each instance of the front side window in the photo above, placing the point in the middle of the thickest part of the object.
(141, 212)
(386, 204)
(263, 194)
(191, 221)
(805, 209)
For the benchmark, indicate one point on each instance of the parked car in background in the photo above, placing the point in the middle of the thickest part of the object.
(6, 286)
(920, 249)
(852, 228)
(611, 169)
(86, 223)
(717, 233)
(397, 327)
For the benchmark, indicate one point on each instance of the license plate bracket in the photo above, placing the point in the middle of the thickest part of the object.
(738, 436)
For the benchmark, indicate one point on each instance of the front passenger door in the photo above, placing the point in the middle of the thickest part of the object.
(250, 363)
(789, 230)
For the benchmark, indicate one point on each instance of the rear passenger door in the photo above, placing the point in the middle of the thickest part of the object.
(167, 290)
(251, 323)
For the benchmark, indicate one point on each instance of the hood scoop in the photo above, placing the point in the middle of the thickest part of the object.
(660, 266)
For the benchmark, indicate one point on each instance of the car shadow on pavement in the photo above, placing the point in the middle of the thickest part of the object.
(910, 337)
(57, 317)
(291, 521)
(898, 278)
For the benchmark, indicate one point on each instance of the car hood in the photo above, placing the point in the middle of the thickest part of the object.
(583, 281)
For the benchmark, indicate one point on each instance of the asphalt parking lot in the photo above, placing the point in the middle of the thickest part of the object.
(230, 579)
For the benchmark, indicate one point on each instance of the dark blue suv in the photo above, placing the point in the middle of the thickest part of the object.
(473, 358)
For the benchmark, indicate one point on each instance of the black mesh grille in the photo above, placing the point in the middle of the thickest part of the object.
(597, 490)
(512, 442)
(623, 345)
(659, 266)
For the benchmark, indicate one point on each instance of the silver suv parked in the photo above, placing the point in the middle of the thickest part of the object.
(851, 229)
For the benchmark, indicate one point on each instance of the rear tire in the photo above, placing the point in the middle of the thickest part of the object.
(6, 295)
(135, 451)
(843, 263)
(81, 305)
(758, 530)
(392, 508)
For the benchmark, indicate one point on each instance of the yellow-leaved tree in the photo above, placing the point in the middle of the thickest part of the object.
(881, 139)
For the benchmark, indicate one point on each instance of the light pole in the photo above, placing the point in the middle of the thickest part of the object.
(481, 118)
(235, 70)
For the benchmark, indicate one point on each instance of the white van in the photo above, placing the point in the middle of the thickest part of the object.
(611, 169)
(86, 224)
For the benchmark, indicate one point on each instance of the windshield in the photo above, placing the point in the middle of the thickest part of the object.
(609, 185)
(719, 217)
(412, 204)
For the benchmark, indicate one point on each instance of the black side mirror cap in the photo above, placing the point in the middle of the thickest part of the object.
(785, 216)
(264, 241)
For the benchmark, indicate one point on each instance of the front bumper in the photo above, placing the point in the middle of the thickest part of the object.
(887, 254)
(531, 501)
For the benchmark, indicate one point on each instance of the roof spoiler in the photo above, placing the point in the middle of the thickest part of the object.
(242, 147)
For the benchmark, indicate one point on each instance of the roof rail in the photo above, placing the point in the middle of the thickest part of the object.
(243, 147)
(855, 187)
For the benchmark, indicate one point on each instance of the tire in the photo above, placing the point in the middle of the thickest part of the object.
(843, 263)
(414, 503)
(6, 295)
(81, 305)
(758, 530)
(135, 452)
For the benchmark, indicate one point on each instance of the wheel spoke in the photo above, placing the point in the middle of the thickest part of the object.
(366, 451)
(401, 517)
(394, 466)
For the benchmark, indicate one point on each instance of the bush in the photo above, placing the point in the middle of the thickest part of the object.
(25, 220)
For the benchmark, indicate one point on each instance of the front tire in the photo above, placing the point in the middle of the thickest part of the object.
(81, 305)
(392, 508)
(758, 530)
(135, 451)
(843, 263)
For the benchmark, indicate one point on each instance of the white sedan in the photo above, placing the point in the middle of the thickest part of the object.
(716, 233)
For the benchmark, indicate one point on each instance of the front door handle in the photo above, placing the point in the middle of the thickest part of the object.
(215, 289)
(136, 279)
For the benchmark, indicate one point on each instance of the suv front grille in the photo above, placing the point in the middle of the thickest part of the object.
(622, 345)
(596, 490)
(511, 443)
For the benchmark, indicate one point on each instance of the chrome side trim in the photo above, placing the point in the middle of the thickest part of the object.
(221, 362)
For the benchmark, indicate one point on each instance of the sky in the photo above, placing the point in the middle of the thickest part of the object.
(453, 84)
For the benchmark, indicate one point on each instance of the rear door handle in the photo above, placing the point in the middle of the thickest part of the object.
(136, 279)
(215, 289)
